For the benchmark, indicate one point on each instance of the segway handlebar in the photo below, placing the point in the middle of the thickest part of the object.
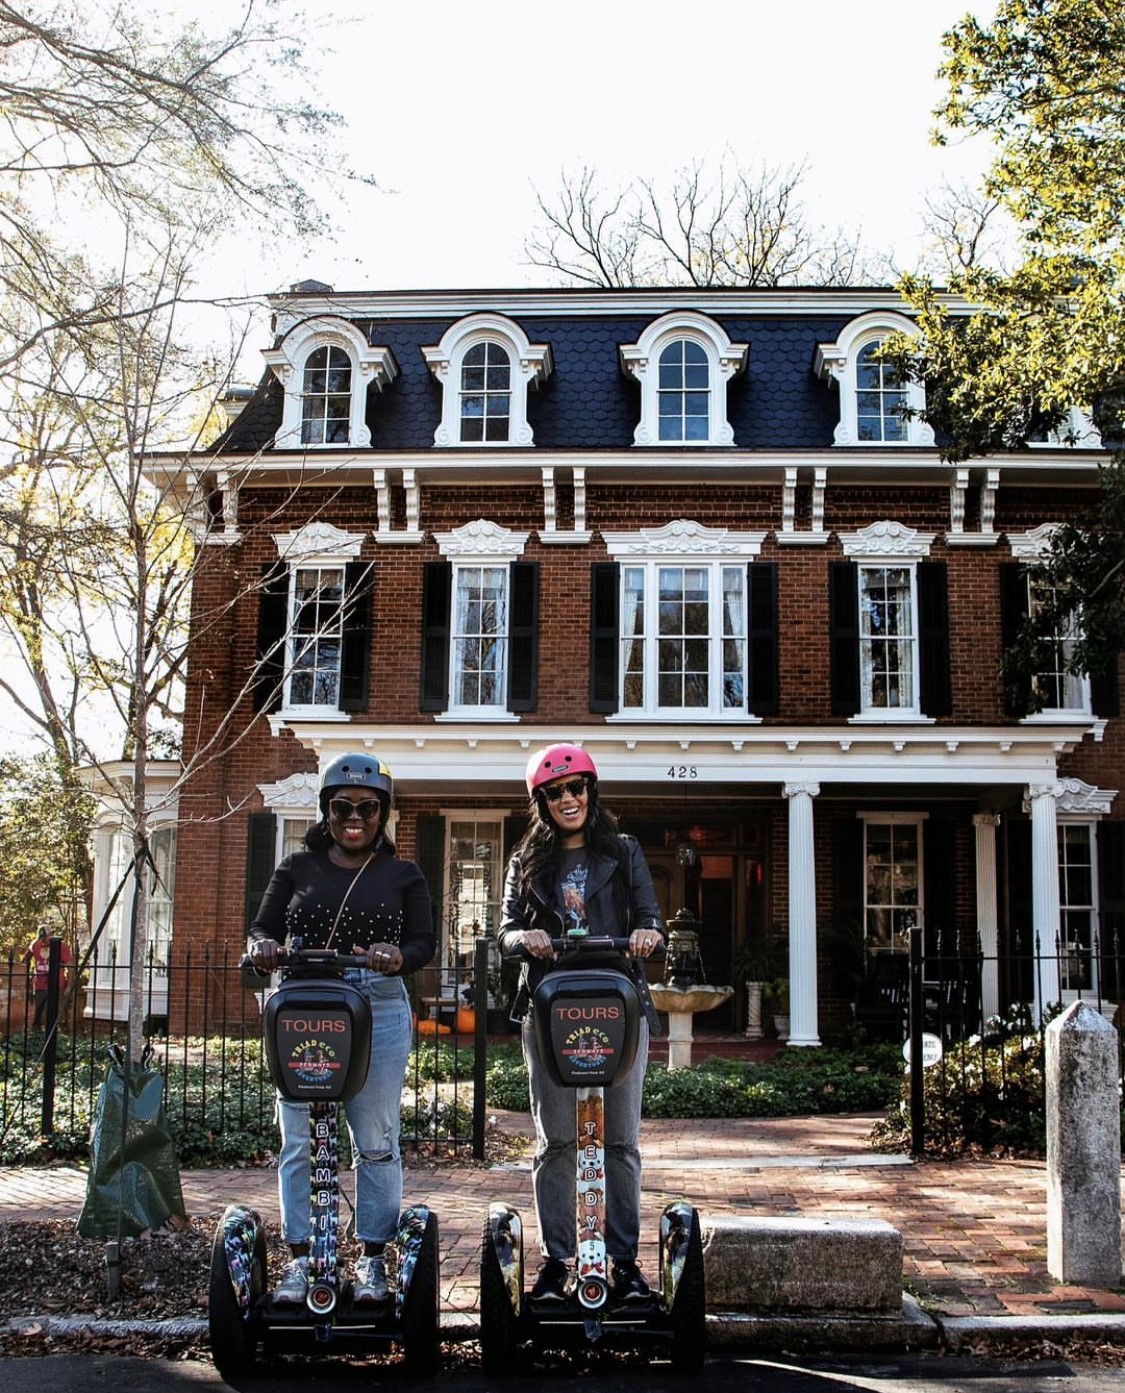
(587, 943)
(299, 960)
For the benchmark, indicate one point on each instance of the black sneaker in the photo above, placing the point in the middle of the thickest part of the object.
(628, 1283)
(550, 1285)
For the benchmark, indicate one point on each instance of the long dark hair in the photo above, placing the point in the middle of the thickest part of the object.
(539, 848)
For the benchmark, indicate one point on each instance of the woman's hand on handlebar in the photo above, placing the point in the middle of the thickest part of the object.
(381, 957)
(265, 953)
(537, 944)
(644, 942)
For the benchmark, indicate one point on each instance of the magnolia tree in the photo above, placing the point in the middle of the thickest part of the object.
(1045, 82)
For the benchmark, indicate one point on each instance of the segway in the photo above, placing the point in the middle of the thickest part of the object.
(586, 1017)
(318, 1043)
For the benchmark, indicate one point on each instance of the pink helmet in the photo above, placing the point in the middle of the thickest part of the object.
(553, 761)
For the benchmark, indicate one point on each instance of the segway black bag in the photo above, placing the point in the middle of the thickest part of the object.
(587, 1023)
(318, 1040)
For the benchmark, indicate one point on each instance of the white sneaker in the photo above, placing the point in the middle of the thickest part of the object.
(370, 1279)
(294, 1283)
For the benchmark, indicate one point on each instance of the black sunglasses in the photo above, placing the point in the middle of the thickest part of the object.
(343, 808)
(575, 787)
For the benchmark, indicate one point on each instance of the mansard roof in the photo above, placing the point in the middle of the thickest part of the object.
(588, 402)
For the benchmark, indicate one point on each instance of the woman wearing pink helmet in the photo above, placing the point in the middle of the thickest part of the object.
(572, 868)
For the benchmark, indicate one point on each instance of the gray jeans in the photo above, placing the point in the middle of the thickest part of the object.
(553, 1170)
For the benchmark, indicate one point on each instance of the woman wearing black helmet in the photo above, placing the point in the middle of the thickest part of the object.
(350, 892)
(572, 868)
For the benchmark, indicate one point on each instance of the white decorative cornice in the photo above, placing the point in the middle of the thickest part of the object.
(1033, 545)
(318, 541)
(1080, 797)
(887, 538)
(297, 791)
(683, 538)
(481, 538)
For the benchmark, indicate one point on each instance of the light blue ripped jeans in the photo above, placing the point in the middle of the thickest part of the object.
(373, 1125)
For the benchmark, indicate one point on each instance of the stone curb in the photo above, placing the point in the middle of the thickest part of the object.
(913, 1330)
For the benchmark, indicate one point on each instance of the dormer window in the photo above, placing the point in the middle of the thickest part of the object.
(876, 406)
(683, 362)
(486, 365)
(326, 366)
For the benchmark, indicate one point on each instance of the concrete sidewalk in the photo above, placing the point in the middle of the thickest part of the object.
(974, 1232)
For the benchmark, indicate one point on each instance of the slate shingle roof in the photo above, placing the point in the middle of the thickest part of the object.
(588, 402)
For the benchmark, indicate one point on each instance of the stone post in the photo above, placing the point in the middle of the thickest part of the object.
(1083, 1150)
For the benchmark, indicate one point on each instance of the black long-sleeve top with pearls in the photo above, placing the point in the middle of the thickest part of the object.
(389, 903)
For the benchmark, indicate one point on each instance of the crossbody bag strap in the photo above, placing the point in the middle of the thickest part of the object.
(343, 902)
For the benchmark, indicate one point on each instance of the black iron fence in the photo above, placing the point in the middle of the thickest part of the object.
(204, 1029)
(974, 1024)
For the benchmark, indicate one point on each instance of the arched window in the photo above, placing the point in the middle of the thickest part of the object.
(880, 397)
(876, 406)
(684, 392)
(486, 393)
(326, 397)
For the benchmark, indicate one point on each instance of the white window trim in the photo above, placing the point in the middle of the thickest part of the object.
(837, 362)
(892, 543)
(1032, 547)
(686, 543)
(478, 543)
(531, 364)
(492, 817)
(315, 544)
(370, 364)
(1076, 431)
(724, 360)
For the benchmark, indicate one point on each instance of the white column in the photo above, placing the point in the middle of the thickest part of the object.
(1045, 891)
(985, 825)
(803, 1023)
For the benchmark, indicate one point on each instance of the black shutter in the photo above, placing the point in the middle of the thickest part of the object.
(273, 622)
(933, 639)
(523, 637)
(762, 690)
(1111, 906)
(437, 583)
(355, 655)
(261, 841)
(847, 874)
(843, 620)
(938, 861)
(604, 636)
(1013, 612)
(1105, 698)
(429, 852)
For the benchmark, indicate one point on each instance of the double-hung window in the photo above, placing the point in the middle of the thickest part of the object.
(486, 393)
(1056, 688)
(316, 608)
(881, 398)
(684, 624)
(684, 392)
(1077, 907)
(683, 362)
(888, 639)
(892, 892)
(327, 397)
(480, 637)
(683, 638)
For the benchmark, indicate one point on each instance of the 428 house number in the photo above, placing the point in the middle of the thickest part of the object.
(682, 771)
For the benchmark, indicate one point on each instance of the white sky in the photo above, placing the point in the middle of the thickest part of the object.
(461, 111)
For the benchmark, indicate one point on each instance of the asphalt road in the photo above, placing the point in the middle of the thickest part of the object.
(76, 1373)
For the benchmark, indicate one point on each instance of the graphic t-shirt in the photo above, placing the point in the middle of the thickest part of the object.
(572, 881)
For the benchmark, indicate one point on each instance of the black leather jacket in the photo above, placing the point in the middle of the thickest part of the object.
(542, 908)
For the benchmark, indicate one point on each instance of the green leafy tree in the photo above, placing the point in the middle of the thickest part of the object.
(1045, 82)
(45, 820)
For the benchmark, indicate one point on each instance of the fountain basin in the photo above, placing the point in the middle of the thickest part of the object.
(681, 1003)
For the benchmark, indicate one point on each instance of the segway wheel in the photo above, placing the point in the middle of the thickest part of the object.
(421, 1311)
(689, 1309)
(498, 1321)
(230, 1330)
